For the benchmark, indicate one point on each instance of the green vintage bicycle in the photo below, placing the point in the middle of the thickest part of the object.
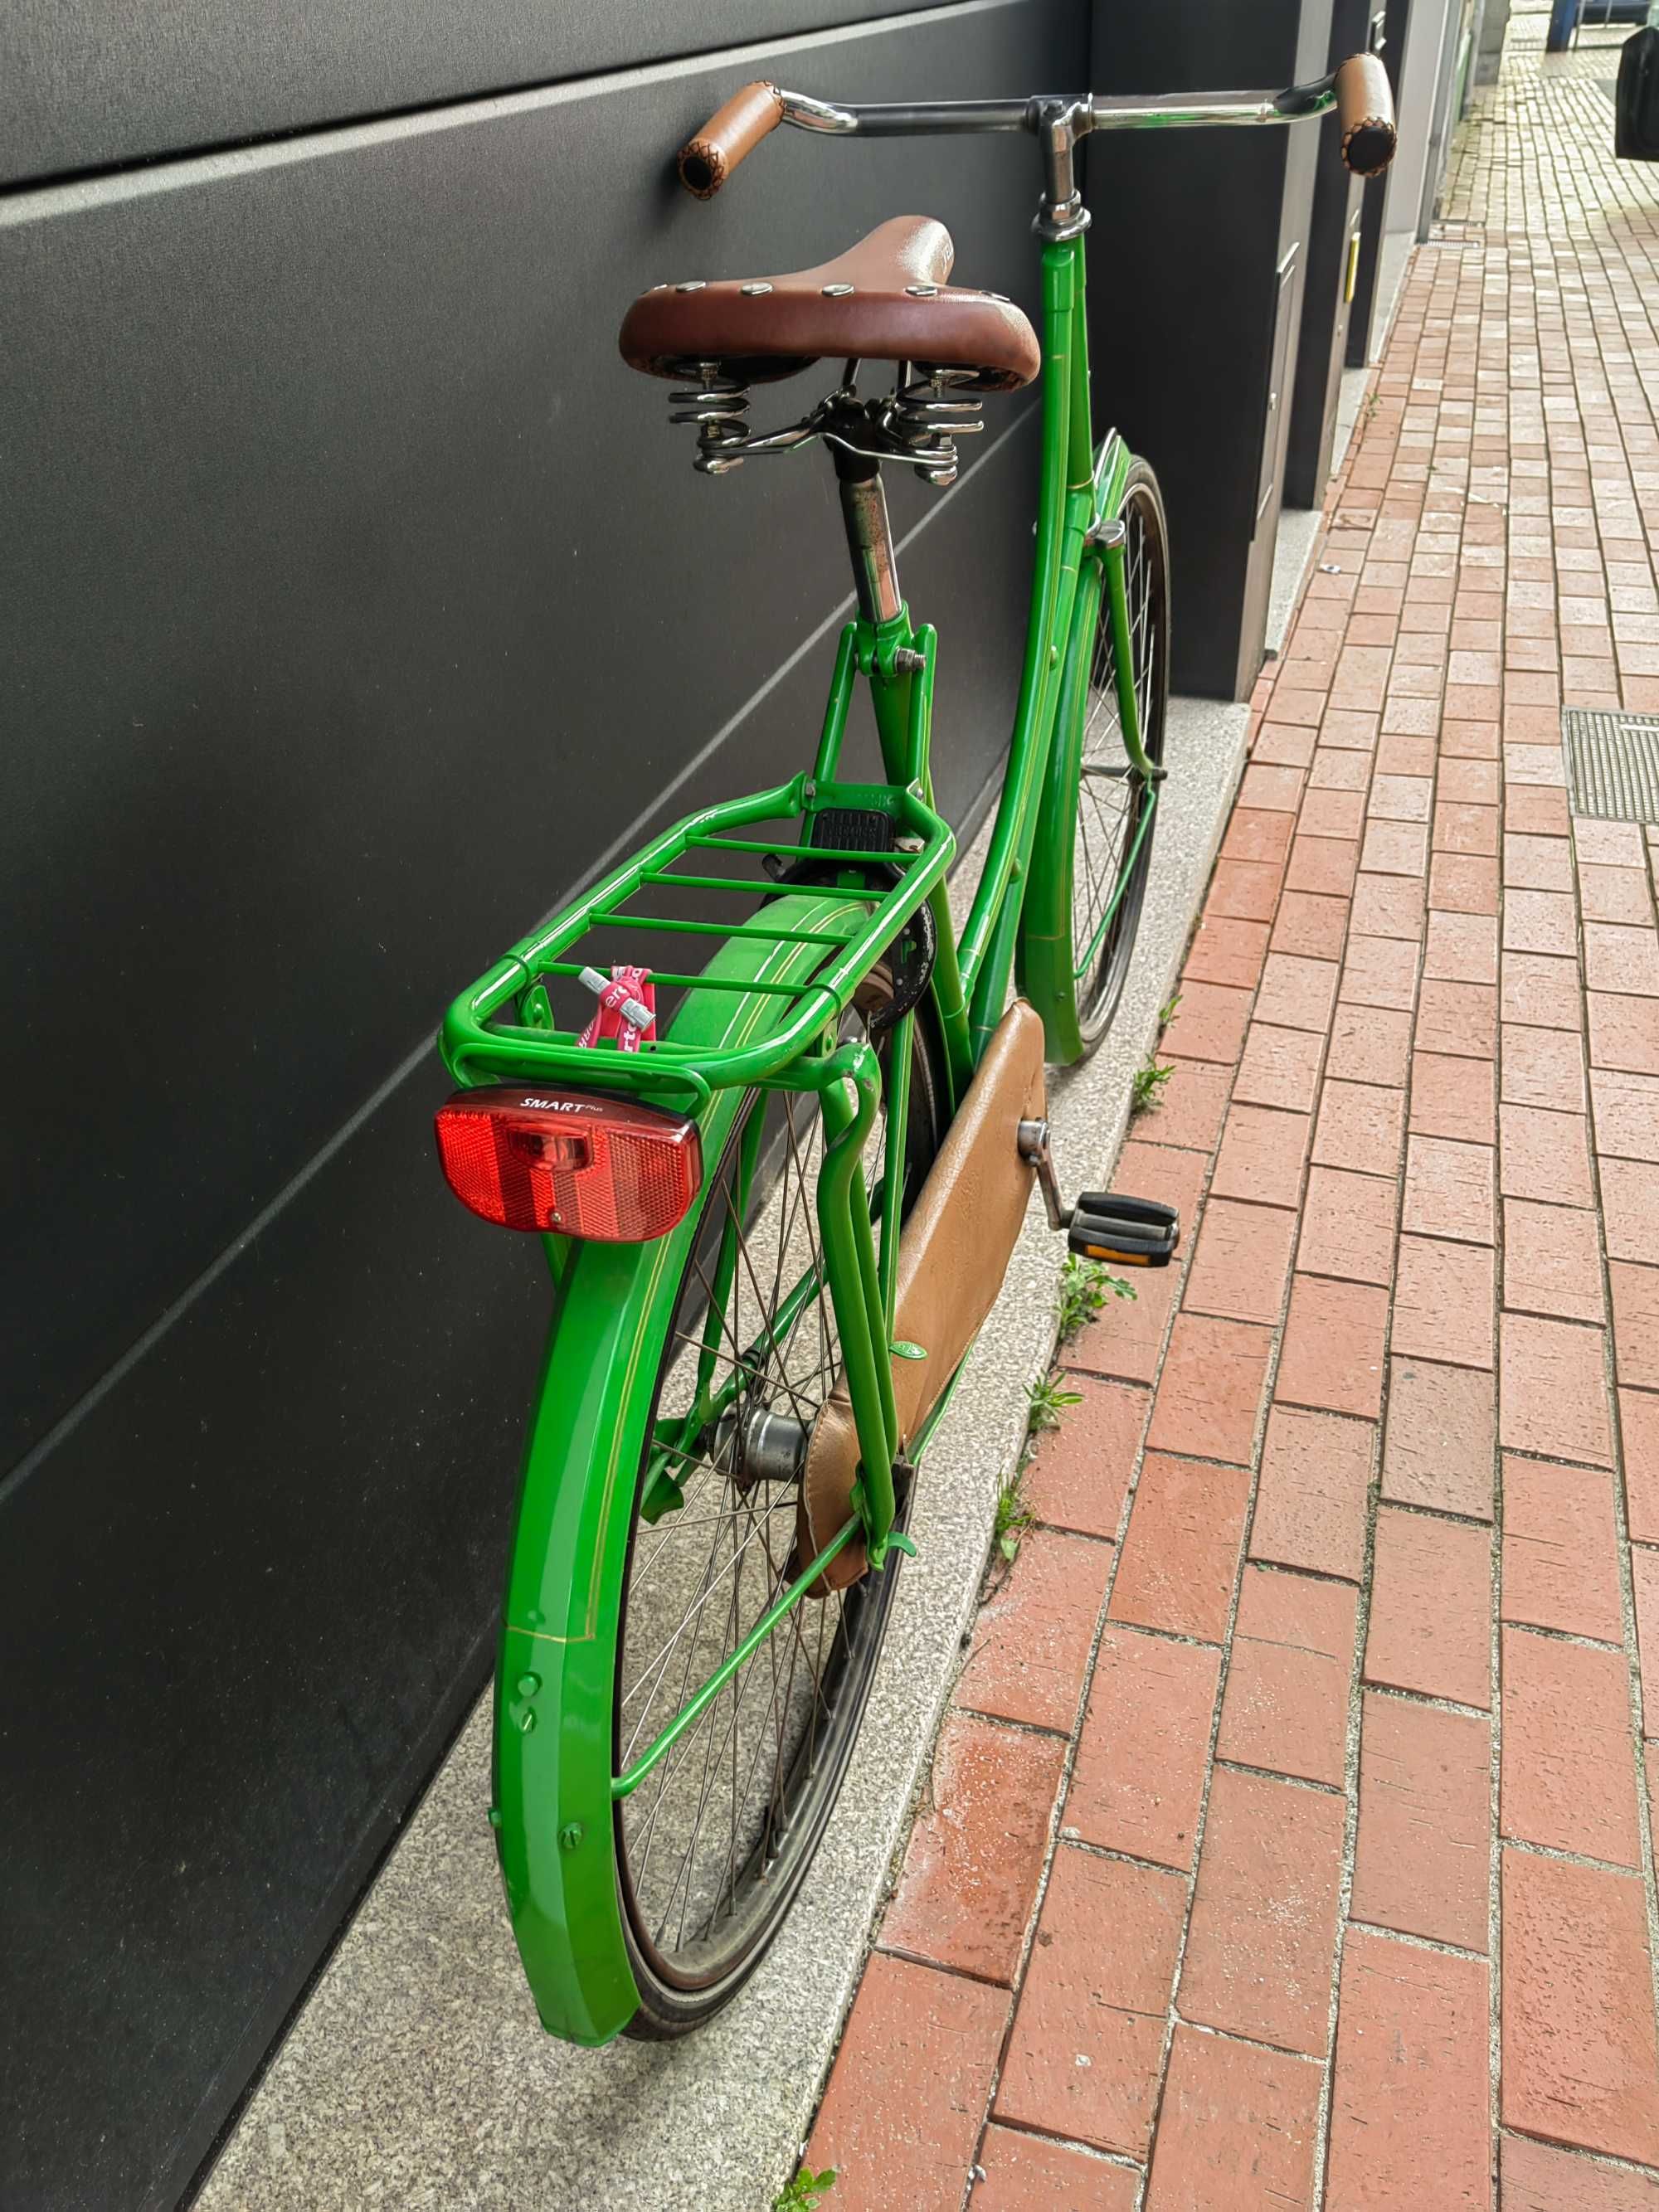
(781, 1165)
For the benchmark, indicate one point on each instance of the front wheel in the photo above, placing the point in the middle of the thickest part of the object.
(1094, 841)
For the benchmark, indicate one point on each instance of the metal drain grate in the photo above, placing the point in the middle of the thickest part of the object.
(1613, 764)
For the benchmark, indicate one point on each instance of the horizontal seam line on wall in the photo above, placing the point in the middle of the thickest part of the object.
(426, 1051)
(138, 175)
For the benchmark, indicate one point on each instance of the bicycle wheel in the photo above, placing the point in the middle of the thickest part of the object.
(713, 1845)
(1094, 841)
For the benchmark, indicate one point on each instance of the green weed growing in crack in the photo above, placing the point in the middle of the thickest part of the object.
(1085, 1287)
(1146, 1085)
(1047, 1402)
(806, 2191)
(1014, 1516)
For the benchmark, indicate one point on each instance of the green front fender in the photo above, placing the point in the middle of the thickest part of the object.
(556, 1669)
(1043, 967)
(1043, 961)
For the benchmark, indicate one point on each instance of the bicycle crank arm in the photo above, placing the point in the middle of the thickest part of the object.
(1104, 1224)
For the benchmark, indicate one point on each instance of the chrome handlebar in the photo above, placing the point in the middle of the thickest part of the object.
(1093, 112)
(1359, 88)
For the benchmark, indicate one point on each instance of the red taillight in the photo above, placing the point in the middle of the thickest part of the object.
(599, 1168)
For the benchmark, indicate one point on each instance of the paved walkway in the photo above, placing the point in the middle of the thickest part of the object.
(1288, 1842)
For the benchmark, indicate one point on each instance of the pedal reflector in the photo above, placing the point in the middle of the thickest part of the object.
(1134, 1232)
(605, 1168)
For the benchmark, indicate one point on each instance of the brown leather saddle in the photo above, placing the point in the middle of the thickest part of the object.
(884, 298)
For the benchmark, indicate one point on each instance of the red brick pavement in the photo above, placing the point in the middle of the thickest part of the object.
(1288, 1843)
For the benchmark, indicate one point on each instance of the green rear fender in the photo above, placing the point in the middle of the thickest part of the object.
(556, 1665)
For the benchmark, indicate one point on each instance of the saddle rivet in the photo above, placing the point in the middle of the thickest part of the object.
(922, 291)
(836, 291)
(753, 291)
(697, 284)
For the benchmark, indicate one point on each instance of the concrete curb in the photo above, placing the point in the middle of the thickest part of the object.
(417, 2075)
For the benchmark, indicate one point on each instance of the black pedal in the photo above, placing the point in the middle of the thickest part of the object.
(1135, 1232)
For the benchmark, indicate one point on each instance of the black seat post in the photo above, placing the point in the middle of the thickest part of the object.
(869, 534)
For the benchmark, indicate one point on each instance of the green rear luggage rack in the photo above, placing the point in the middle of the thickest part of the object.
(477, 1048)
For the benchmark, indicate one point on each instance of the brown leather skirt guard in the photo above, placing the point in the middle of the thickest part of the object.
(953, 1255)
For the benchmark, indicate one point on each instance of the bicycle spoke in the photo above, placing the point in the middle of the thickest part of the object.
(657, 1663)
(688, 1857)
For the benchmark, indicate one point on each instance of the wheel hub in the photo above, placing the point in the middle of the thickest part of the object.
(759, 1444)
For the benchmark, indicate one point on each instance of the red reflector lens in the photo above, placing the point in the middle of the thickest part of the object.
(598, 1167)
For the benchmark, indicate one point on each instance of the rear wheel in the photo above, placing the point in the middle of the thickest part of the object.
(713, 1844)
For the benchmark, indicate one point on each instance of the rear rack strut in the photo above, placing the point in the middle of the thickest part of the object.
(502, 1029)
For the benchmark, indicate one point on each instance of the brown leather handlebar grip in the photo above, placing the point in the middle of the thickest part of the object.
(1364, 105)
(708, 160)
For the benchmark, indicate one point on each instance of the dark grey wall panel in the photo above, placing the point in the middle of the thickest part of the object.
(239, 1603)
(88, 84)
(1396, 22)
(357, 597)
(1332, 223)
(245, 1600)
(1207, 229)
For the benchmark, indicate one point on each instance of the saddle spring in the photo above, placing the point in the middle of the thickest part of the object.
(718, 407)
(919, 422)
(926, 420)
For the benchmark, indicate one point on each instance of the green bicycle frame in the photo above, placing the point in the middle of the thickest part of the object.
(764, 1013)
